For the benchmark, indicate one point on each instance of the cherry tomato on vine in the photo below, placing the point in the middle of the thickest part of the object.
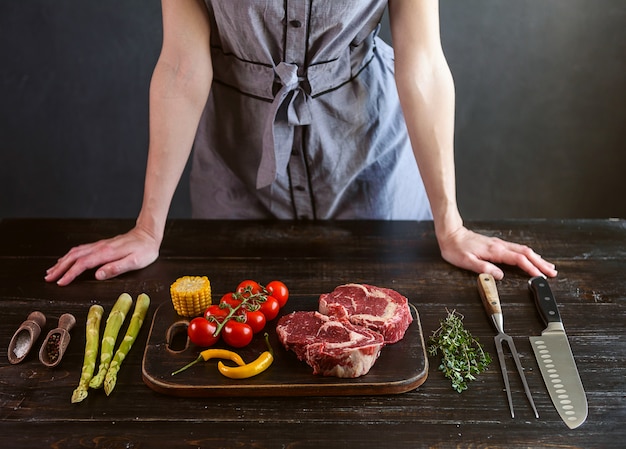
(255, 319)
(270, 308)
(200, 332)
(215, 312)
(237, 334)
(230, 299)
(248, 287)
(279, 291)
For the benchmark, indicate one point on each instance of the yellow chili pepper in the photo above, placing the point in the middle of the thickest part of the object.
(208, 354)
(261, 363)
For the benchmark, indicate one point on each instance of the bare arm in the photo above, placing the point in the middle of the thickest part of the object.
(178, 91)
(426, 91)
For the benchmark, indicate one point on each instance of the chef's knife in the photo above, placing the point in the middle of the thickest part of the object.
(555, 358)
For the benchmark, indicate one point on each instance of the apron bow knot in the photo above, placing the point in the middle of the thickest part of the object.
(290, 108)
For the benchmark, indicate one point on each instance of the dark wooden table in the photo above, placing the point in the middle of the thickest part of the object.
(313, 258)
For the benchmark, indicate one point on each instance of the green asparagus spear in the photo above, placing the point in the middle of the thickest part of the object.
(114, 322)
(94, 316)
(141, 309)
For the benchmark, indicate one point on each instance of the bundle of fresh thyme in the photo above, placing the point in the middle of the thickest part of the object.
(462, 356)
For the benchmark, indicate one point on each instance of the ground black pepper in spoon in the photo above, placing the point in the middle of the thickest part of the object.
(56, 342)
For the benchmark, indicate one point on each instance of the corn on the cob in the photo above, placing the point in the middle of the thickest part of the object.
(191, 295)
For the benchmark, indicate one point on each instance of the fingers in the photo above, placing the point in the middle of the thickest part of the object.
(113, 269)
(547, 268)
(489, 268)
(477, 265)
(525, 258)
(78, 260)
(70, 265)
(130, 262)
(113, 256)
(480, 253)
(72, 273)
(65, 274)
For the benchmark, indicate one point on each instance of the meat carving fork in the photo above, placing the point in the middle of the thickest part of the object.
(491, 301)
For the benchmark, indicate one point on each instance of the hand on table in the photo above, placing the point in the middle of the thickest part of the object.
(478, 253)
(126, 252)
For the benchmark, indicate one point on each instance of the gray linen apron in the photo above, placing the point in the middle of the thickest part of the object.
(303, 119)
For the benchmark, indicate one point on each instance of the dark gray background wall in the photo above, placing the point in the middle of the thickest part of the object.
(541, 97)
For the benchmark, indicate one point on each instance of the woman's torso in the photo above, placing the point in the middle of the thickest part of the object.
(303, 120)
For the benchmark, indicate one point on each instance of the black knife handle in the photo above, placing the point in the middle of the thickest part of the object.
(544, 299)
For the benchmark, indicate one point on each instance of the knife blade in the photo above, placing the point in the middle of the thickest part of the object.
(555, 359)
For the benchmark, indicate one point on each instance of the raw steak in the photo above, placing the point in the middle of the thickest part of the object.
(332, 347)
(380, 309)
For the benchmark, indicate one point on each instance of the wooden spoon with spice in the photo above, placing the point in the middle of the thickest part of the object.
(56, 342)
(25, 336)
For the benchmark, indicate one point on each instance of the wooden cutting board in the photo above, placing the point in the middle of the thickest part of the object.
(401, 367)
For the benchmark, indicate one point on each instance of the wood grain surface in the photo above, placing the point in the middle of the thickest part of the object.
(312, 258)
